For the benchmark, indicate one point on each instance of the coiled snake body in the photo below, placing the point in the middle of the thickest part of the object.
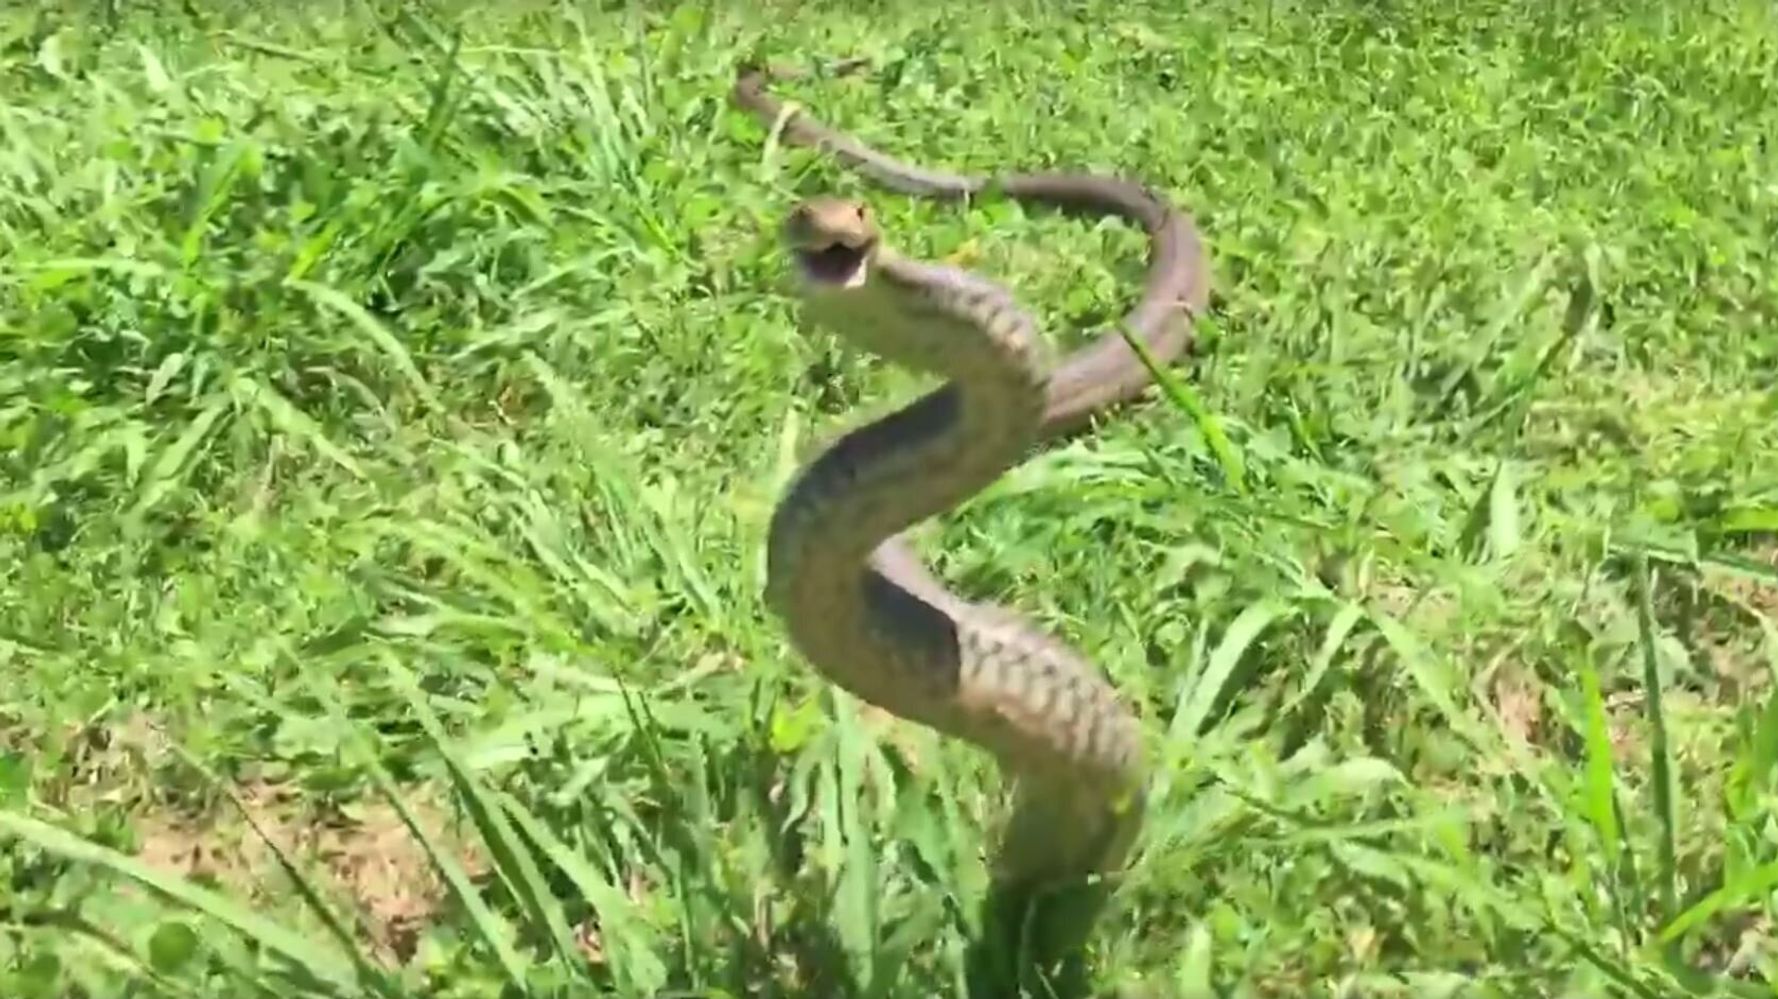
(855, 599)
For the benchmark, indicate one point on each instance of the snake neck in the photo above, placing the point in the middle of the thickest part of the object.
(921, 460)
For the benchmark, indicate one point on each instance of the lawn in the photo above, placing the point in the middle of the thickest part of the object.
(392, 405)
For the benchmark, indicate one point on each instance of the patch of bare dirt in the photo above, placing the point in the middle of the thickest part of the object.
(899, 734)
(1735, 649)
(1761, 597)
(1624, 722)
(361, 856)
(1518, 704)
(362, 853)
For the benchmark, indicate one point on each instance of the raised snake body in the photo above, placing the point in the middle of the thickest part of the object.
(855, 599)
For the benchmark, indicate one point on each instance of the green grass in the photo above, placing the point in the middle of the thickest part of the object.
(392, 406)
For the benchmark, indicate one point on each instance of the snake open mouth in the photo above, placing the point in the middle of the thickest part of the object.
(835, 263)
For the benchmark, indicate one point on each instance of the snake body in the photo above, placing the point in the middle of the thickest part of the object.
(855, 599)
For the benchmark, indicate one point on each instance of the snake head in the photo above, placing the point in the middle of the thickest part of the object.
(833, 240)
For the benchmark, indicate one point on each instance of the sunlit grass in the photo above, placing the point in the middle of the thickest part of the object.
(392, 404)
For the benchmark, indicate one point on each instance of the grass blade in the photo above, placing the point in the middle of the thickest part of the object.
(379, 335)
(1234, 466)
(638, 968)
(1212, 683)
(1338, 630)
(1597, 787)
(1661, 754)
(513, 861)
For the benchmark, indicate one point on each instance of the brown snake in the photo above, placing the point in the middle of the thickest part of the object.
(855, 599)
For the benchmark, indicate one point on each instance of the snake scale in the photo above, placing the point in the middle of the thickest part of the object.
(854, 597)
